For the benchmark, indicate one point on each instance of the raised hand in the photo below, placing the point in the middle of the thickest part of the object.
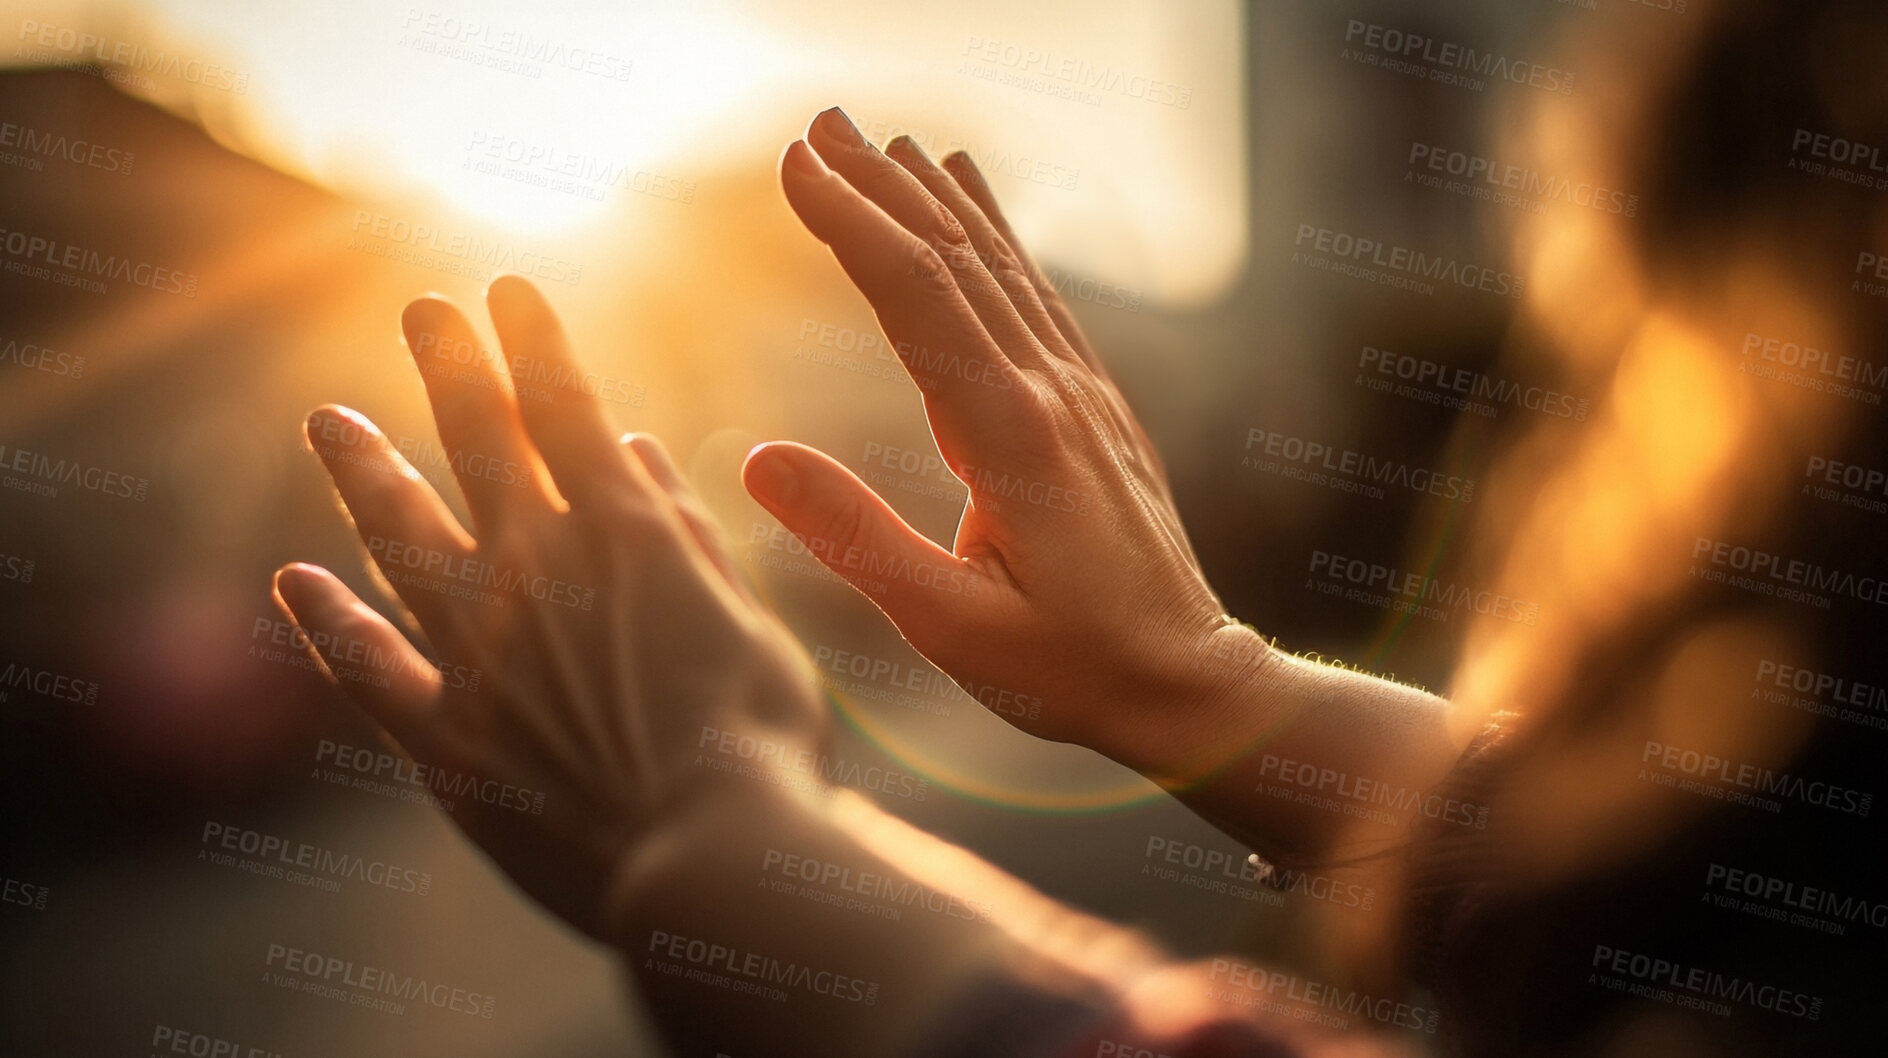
(586, 634)
(1070, 602)
(594, 646)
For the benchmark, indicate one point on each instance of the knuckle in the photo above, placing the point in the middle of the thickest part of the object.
(947, 231)
(929, 269)
(510, 552)
(1012, 276)
(632, 516)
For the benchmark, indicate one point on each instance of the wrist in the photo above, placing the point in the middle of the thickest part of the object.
(1202, 707)
(725, 815)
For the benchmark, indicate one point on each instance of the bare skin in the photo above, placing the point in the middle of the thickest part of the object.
(673, 725)
(1070, 580)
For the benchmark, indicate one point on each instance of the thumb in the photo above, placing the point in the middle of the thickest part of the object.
(858, 536)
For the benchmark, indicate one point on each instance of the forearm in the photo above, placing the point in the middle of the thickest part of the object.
(1305, 763)
(806, 924)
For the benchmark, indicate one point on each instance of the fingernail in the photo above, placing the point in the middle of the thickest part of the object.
(506, 287)
(800, 159)
(291, 584)
(961, 158)
(903, 142)
(770, 476)
(318, 429)
(834, 122)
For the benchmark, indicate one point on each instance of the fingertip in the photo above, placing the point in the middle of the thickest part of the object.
(965, 171)
(294, 586)
(654, 456)
(509, 288)
(833, 122)
(424, 313)
(516, 303)
(336, 424)
(798, 158)
(770, 475)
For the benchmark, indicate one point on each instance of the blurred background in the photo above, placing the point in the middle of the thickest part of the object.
(1532, 272)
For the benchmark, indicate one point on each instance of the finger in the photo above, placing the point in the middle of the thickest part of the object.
(477, 418)
(855, 533)
(572, 430)
(973, 395)
(1002, 263)
(408, 530)
(964, 173)
(977, 189)
(360, 651)
(1102, 403)
(701, 524)
(904, 199)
